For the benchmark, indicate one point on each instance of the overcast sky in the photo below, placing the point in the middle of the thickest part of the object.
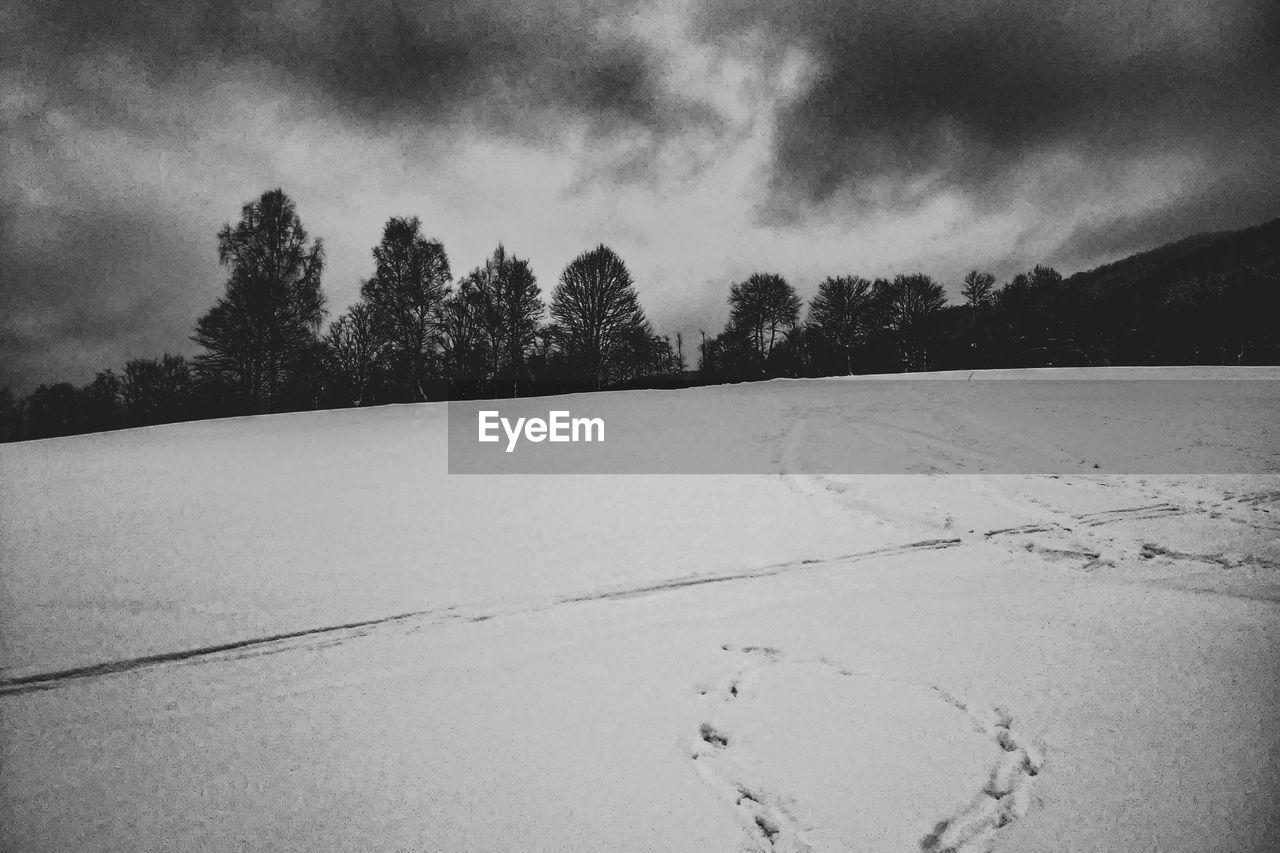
(702, 141)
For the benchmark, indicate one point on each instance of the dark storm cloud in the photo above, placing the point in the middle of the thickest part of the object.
(87, 287)
(498, 62)
(904, 100)
(965, 92)
(145, 71)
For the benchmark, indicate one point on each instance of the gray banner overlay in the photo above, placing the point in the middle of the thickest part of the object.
(883, 426)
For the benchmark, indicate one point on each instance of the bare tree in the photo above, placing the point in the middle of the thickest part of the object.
(508, 306)
(907, 307)
(406, 293)
(840, 315)
(461, 334)
(765, 307)
(270, 315)
(596, 316)
(977, 288)
(354, 349)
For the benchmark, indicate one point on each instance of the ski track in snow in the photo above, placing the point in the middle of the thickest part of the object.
(1228, 561)
(234, 650)
(768, 817)
(762, 572)
(1088, 539)
(1080, 536)
(1111, 516)
(332, 634)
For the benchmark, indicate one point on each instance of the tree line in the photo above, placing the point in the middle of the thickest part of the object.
(413, 335)
(1207, 300)
(416, 334)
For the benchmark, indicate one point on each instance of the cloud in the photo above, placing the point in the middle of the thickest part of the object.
(132, 131)
(910, 98)
(703, 143)
(511, 66)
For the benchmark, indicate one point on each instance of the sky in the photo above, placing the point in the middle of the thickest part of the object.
(702, 141)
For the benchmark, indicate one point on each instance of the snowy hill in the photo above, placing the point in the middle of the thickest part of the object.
(300, 632)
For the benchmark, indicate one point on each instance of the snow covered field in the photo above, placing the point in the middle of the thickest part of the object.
(298, 632)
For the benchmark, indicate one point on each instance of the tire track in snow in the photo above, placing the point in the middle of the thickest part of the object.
(772, 828)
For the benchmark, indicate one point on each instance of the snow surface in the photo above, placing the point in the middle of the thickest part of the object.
(298, 632)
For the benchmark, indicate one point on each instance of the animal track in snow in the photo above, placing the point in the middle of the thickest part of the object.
(769, 825)
(769, 822)
(1005, 798)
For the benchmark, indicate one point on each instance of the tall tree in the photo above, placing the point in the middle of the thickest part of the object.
(406, 293)
(270, 314)
(766, 308)
(839, 316)
(461, 335)
(977, 324)
(977, 288)
(354, 350)
(908, 307)
(596, 316)
(508, 306)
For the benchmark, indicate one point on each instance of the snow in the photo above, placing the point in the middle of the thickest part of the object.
(298, 632)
